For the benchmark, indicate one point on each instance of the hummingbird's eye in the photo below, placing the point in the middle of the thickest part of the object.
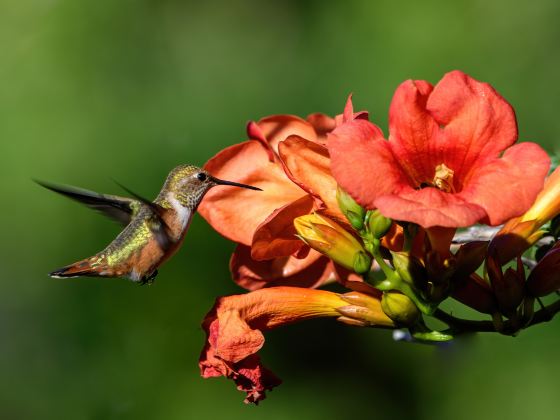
(201, 176)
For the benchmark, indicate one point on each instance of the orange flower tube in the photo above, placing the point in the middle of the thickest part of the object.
(235, 326)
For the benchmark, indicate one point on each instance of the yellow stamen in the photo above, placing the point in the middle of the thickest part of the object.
(443, 178)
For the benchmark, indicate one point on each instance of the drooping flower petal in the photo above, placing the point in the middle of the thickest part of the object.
(235, 326)
(430, 207)
(309, 271)
(236, 359)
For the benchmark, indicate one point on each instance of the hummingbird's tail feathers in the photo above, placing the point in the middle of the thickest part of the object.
(89, 267)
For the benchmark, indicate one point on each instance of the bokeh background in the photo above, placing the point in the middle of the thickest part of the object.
(127, 89)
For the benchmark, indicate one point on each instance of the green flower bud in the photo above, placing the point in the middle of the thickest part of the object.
(362, 262)
(352, 210)
(377, 224)
(399, 308)
(409, 268)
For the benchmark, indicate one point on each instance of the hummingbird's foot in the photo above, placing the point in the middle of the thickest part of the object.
(148, 279)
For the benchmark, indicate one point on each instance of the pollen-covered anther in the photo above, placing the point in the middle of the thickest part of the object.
(443, 178)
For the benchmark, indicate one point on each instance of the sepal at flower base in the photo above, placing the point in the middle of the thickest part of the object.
(352, 210)
(364, 311)
(377, 224)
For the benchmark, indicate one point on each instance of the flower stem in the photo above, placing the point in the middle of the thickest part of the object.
(459, 325)
(392, 279)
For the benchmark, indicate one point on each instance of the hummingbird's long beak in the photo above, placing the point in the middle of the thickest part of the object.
(234, 184)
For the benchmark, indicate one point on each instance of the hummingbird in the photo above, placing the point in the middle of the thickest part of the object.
(154, 230)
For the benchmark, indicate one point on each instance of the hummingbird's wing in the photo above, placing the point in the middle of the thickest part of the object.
(156, 208)
(121, 209)
(160, 228)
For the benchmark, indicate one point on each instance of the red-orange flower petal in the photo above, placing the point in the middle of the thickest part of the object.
(247, 372)
(276, 236)
(411, 128)
(277, 128)
(363, 163)
(237, 212)
(349, 114)
(507, 187)
(308, 165)
(310, 271)
(430, 207)
(477, 124)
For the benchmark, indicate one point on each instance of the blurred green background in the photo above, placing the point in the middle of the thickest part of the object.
(127, 89)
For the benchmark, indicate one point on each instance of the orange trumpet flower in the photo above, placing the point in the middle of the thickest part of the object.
(235, 326)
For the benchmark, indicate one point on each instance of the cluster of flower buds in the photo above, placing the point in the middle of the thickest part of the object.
(401, 223)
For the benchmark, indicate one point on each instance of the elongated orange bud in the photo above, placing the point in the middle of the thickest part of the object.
(331, 239)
